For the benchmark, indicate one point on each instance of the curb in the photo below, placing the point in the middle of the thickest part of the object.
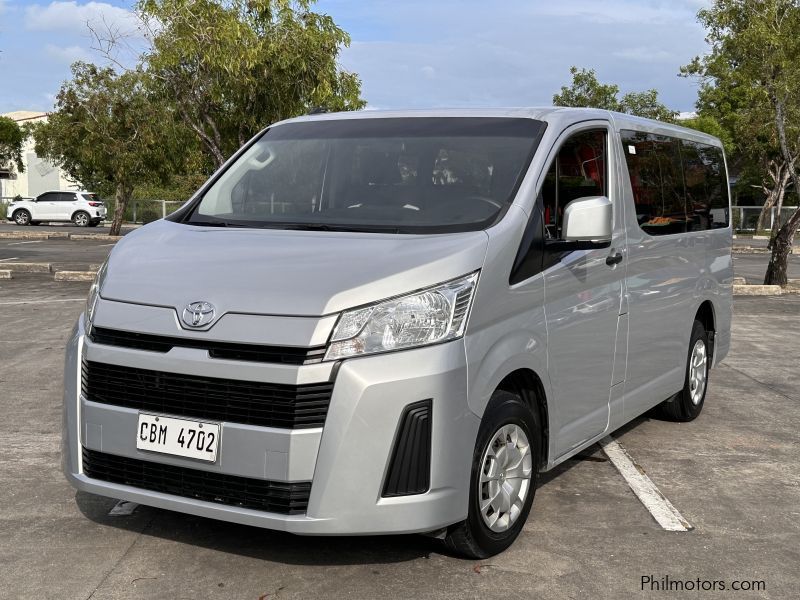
(28, 267)
(56, 235)
(757, 290)
(5, 274)
(95, 236)
(74, 275)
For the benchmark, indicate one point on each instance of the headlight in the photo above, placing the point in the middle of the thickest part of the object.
(94, 294)
(433, 315)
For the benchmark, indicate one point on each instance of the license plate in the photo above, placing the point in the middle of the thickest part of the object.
(179, 437)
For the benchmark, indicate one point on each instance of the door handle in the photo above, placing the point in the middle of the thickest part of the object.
(614, 259)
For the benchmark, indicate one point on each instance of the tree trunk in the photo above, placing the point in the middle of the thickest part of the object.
(769, 202)
(782, 244)
(781, 249)
(121, 197)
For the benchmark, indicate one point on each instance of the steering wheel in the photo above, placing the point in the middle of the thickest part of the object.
(490, 201)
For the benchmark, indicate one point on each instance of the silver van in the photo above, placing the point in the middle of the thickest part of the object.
(392, 322)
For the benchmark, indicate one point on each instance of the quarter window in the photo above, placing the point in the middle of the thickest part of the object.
(678, 185)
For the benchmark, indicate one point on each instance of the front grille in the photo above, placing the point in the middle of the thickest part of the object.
(290, 355)
(258, 494)
(247, 402)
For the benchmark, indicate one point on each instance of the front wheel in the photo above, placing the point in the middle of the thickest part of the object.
(504, 471)
(22, 217)
(80, 218)
(687, 404)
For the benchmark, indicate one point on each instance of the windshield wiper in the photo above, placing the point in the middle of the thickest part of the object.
(213, 224)
(327, 227)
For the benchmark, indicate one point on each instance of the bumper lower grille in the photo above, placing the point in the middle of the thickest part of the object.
(410, 466)
(258, 494)
(235, 401)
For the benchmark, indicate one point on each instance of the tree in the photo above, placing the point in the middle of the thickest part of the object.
(109, 133)
(11, 140)
(754, 66)
(587, 91)
(232, 67)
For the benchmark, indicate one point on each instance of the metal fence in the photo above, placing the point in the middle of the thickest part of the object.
(745, 218)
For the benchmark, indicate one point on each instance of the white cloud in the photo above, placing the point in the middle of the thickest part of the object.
(428, 72)
(74, 16)
(68, 54)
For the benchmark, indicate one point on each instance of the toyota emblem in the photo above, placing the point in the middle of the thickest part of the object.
(199, 314)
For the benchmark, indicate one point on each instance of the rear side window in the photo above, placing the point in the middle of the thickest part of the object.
(66, 197)
(678, 185)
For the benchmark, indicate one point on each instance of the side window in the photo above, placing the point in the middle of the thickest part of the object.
(47, 197)
(66, 197)
(579, 170)
(706, 185)
(656, 173)
(678, 185)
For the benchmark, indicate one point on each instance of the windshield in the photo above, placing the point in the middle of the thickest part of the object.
(406, 175)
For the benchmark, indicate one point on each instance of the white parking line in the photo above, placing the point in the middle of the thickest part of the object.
(123, 508)
(104, 245)
(12, 258)
(662, 510)
(42, 301)
(18, 243)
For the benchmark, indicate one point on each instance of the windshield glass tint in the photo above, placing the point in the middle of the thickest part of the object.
(413, 175)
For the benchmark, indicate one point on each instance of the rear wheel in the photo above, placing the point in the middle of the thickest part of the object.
(504, 471)
(81, 218)
(22, 217)
(687, 404)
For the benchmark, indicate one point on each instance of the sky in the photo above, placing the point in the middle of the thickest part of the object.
(411, 53)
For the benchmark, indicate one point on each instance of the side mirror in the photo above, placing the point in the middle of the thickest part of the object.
(588, 220)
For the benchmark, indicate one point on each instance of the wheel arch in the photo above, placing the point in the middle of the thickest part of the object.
(528, 386)
(706, 315)
(80, 210)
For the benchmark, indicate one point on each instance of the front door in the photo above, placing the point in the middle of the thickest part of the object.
(44, 209)
(583, 289)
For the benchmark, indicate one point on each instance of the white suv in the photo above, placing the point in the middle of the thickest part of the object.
(82, 208)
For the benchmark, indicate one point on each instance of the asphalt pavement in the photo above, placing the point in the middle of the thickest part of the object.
(734, 474)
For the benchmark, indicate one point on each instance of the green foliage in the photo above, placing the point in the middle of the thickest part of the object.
(178, 189)
(751, 84)
(11, 140)
(232, 67)
(586, 91)
(710, 125)
(109, 133)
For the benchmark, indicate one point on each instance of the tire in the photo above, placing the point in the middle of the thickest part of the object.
(474, 537)
(81, 219)
(21, 217)
(687, 404)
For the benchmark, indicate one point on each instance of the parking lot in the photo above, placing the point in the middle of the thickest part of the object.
(734, 475)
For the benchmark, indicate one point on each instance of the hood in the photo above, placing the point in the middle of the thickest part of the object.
(277, 272)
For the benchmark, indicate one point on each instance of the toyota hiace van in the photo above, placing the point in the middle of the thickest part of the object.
(392, 322)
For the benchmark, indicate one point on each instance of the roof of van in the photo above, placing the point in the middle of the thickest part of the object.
(551, 114)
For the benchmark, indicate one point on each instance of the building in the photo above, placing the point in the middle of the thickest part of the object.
(40, 175)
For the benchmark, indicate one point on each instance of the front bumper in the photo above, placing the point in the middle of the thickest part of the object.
(346, 460)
